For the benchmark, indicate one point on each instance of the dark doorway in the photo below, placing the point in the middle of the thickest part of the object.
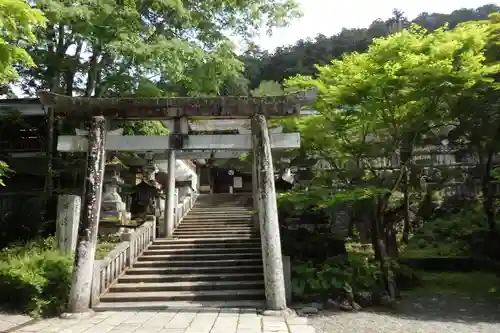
(222, 180)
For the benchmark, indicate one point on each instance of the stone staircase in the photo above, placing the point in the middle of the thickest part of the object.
(214, 260)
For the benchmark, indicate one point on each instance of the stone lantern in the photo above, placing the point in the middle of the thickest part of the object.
(112, 205)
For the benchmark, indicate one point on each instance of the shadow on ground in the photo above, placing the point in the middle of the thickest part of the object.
(454, 308)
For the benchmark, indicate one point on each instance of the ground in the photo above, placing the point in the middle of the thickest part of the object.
(227, 321)
(445, 302)
(419, 315)
(426, 314)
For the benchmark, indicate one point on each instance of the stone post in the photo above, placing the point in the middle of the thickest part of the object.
(268, 216)
(170, 197)
(68, 218)
(81, 285)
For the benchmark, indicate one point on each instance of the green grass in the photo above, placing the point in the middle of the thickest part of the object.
(441, 250)
(474, 284)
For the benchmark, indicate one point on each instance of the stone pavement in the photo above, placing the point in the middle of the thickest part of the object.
(8, 321)
(205, 321)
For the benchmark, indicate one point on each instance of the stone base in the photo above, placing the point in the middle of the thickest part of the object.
(78, 315)
(279, 313)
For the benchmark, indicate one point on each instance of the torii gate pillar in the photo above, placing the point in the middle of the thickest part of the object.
(79, 297)
(180, 129)
(268, 215)
(169, 200)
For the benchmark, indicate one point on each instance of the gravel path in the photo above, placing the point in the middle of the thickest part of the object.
(422, 315)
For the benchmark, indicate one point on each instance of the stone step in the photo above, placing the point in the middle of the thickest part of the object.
(207, 295)
(208, 236)
(199, 257)
(195, 241)
(210, 227)
(202, 251)
(217, 224)
(201, 306)
(196, 263)
(203, 229)
(222, 221)
(218, 217)
(253, 268)
(186, 286)
(206, 246)
(212, 212)
(207, 232)
(145, 278)
(215, 209)
(197, 237)
(222, 208)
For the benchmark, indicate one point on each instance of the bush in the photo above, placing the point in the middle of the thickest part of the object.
(35, 278)
(336, 276)
(448, 236)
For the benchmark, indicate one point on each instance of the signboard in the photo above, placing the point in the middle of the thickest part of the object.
(238, 182)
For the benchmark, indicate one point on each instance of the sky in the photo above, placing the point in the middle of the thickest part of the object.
(328, 17)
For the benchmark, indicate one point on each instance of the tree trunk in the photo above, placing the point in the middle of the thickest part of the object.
(488, 193)
(92, 71)
(380, 248)
(79, 299)
(406, 206)
(350, 228)
(391, 242)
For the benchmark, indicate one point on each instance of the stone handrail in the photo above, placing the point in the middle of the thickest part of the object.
(184, 207)
(123, 256)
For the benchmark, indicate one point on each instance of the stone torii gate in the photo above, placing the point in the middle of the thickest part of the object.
(178, 110)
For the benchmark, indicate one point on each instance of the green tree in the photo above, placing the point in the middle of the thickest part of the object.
(383, 102)
(107, 48)
(267, 88)
(302, 57)
(18, 22)
(477, 129)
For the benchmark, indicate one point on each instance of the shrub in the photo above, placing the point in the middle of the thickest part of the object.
(448, 236)
(35, 278)
(336, 276)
